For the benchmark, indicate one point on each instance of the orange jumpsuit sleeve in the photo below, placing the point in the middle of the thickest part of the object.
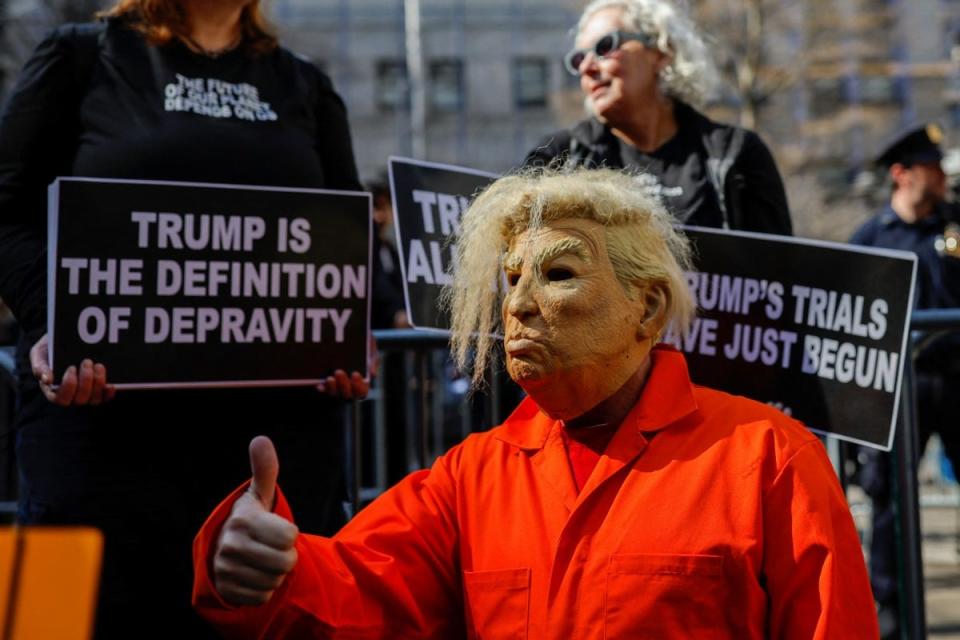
(816, 577)
(393, 571)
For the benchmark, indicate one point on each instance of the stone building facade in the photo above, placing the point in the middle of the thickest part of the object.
(833, 81)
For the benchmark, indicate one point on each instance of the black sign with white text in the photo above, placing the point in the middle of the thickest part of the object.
(428, 200)
(186, 284)
(817, 329)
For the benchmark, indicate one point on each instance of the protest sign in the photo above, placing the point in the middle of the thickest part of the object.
(189, 284)
(818, 329)
(428, 200)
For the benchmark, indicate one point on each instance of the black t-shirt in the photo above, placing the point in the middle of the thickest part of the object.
(122, 108)
(676, 173)
(741, 171)
(168, 113)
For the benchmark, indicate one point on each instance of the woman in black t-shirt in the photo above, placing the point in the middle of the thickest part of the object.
(145, 467)
(641, 65)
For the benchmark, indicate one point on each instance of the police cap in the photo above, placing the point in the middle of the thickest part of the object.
(916, 145)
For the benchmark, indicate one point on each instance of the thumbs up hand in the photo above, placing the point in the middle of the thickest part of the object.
(255, 550)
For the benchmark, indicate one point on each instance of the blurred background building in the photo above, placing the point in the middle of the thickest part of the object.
(825, 82)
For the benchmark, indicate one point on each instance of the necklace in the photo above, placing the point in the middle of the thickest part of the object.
(211, 53)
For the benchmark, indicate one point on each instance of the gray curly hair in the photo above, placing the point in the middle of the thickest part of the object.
(642, 243)
(690, 75)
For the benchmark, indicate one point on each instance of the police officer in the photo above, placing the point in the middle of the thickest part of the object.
(918, 219)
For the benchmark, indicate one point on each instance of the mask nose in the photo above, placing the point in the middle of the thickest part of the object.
(521, 301)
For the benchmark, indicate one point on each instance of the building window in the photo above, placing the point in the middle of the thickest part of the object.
(446, 85)
(878, 90)
(951, 36)
(392, 87)
(954, 110)
(569, 81)
(530, 82)
(834, 178)
(826, 96)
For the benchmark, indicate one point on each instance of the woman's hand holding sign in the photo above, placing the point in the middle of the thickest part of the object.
(87, 384)
(255, 550)
(83, 385)
(352, 387)
(340, 385)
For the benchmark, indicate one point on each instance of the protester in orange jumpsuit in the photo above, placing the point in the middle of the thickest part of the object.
(618, 501)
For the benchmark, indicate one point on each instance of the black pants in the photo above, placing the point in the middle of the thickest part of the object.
(148, 468)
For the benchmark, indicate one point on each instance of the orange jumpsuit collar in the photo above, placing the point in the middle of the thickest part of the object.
(666, 399)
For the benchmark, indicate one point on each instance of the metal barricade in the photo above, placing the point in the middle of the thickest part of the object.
(416, 365)
(906, 451)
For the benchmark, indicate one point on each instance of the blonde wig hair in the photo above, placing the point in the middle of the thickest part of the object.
(159, 21)
(690, 75)
(642, 243)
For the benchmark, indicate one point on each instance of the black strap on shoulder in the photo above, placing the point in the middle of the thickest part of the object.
(720, 158)
(575, 154)
(88, 39)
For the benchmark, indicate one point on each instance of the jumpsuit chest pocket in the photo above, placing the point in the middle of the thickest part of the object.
(664, 596)
(498, 603)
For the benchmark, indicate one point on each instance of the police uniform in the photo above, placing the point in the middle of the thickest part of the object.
(937, 358)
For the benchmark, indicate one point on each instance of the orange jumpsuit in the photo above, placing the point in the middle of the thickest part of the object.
(708, 516)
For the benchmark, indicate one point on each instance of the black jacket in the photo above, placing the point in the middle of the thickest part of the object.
(741, 169)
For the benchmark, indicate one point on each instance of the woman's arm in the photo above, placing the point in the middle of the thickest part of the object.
(755, 195)
(333, 145)
(39, 134)
(39, 131)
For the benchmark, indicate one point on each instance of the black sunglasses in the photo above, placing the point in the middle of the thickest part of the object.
(603, 47)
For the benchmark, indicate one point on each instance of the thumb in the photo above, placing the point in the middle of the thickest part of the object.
(264, 467)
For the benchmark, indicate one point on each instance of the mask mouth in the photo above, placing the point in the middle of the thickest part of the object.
(524, 334)
(519, 346)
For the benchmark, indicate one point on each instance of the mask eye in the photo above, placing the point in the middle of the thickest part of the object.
(513, 279)
(556, 274)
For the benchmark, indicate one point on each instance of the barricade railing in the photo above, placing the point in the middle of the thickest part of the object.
(434, 410)
(906, 453)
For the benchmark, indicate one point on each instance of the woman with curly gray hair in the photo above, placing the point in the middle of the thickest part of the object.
(644, 71)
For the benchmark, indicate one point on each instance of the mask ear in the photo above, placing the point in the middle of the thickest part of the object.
(653, 301)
